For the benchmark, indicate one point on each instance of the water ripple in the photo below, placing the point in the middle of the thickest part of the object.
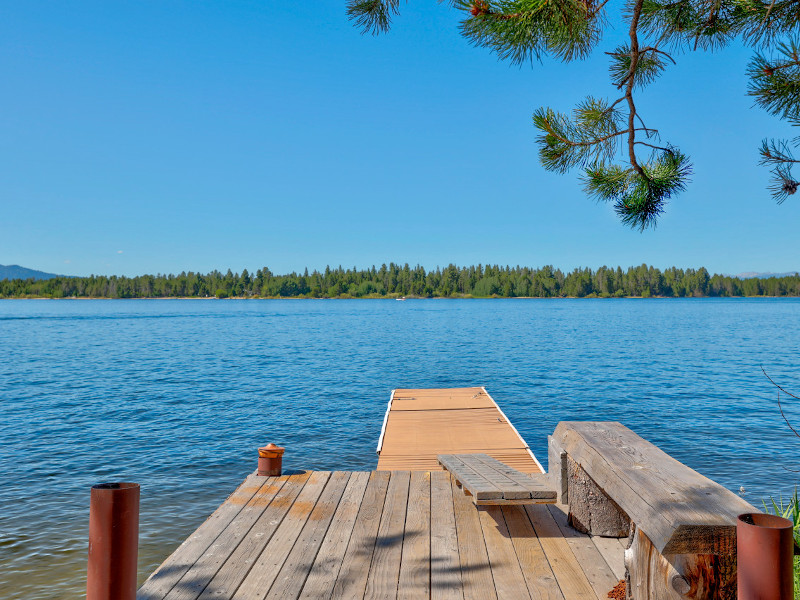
(177, 395)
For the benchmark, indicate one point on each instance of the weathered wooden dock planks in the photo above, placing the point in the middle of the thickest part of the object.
(382, 534)
(404, 531)
(422, 423)
(489, 482)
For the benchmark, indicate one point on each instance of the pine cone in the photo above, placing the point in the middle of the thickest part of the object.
(480, 8)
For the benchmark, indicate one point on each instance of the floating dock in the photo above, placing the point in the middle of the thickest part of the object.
(403, 531)
(421, 424)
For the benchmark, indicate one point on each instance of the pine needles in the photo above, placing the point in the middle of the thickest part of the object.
(603, 138)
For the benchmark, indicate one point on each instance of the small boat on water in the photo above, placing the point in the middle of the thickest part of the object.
(401, 298)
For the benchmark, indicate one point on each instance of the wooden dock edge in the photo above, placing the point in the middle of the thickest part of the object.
(528, 448)
(385, 420)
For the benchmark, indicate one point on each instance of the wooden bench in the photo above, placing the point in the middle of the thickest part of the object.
(491, 482)
(681, 525)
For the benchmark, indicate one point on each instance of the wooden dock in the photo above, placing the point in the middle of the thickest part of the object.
(408, 531)
(422, 423)
(382, 534)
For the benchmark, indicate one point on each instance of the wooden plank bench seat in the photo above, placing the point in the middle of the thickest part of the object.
(490, 482)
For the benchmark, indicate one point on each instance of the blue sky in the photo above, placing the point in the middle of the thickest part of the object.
(160, 136)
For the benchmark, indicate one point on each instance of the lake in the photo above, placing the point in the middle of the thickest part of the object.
(178, 394)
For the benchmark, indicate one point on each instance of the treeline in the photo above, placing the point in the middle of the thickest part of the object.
(395, 280)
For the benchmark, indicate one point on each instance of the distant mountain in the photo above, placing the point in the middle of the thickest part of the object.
(753, 274)
(17, 272)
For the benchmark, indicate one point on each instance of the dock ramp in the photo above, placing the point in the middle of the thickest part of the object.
(423, 423)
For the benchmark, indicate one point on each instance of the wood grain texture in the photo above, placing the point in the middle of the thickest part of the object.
(542, 584)
(509, 582)
(441, 399)
(236, 566)
(415, 566)
(680, 510)
(206, 567)
(325, 570)
(568, 572)
(295, 570)
(517, 458)
(476, 573)
(496, 473)
(598, 571)
(384, 572)
(164, 578)
(613, 553)
(445, 563)
(394, 534)
(477, 483)
(352, 579)
(268, 564)
(538, 485)
(654, 576)
(422, 423)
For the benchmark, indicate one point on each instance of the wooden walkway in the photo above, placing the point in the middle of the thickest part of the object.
(421, 423)
(382, 534)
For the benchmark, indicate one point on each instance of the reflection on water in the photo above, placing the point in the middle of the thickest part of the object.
(177, 395)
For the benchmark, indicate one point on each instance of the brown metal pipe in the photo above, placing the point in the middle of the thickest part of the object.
(765, 553)
(113, 541)
(270, 460)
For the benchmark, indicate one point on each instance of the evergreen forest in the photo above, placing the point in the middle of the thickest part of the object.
(393, 280)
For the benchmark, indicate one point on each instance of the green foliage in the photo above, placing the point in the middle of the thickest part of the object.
(601, 135)
(487, 286)
(775, 80)
(395, 280)
(649, 66)
(639, 198)
(523, 30)
(372, 16)
(589, 137)
(789, 509)
(775, 84)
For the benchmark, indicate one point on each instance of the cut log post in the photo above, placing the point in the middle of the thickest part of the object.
(591, 510)
(651, 575)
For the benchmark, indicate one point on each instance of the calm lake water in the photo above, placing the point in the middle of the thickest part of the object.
(178, 394)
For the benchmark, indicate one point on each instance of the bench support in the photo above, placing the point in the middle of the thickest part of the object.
(557, 469)
(651, 575)
(591, 510)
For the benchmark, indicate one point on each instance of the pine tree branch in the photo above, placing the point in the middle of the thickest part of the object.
(645, 128)
(633, 33)
(587, 143)
(712, 17)
(780, 408)
(597, 10)
(664, 148)
(659, 51)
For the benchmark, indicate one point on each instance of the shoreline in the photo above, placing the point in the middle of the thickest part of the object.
(464, 297)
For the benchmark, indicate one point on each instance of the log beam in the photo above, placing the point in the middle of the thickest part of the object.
(651, 575)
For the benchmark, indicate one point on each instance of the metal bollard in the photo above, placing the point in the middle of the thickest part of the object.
(764, 556)
(270, 460)
(113, 541)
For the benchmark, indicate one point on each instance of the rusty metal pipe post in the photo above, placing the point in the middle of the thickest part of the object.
(113, 541)
(765, 553)
(270, 460)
